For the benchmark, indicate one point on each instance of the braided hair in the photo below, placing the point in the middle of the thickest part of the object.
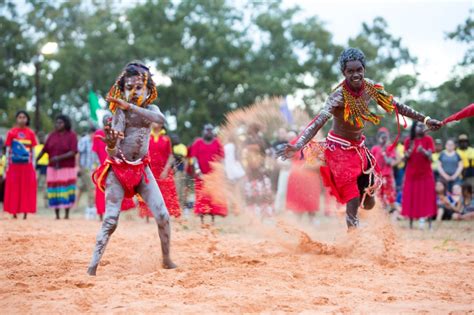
(351, 54)
(134, 68)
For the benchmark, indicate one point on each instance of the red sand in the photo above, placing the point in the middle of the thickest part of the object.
(233, 268)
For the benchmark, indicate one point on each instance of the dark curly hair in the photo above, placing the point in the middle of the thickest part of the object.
(66, 120)
(135, 68)
(351, 54)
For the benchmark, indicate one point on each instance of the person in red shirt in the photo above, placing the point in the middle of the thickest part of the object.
(61, 175)
(161, 164)
(20, 184)
(98, 147)
(204, 151)
(386, 159)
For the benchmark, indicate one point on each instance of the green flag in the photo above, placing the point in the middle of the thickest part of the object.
(93, 105)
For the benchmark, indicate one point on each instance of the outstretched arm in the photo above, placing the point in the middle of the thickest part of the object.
(288, 150)
(409, 112)
(313, 128)
(151, 113)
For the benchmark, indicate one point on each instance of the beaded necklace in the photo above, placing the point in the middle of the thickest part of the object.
(356, 109)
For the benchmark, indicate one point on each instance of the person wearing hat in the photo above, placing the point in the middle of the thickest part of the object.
(466, 152)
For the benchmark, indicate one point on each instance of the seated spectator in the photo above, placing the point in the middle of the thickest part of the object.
(444, 202)
(465, 206)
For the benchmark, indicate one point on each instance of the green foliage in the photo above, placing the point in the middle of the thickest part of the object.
(15, 51)
(465, 33)
(218, 55)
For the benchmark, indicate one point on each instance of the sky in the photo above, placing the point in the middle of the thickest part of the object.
(421, 24)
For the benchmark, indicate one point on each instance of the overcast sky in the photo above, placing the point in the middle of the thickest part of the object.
(421, 24)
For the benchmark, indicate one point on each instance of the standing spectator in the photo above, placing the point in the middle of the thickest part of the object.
(161, 164)
(234, 171)
(180, 152)
(233, 168)
(61, 174)
(450, 165)
(419, 198)
(98, 147)
(204, 151)
(467, 155)
(20, 184)
(386, 159)
(87, 162)
(399, 168)
(258, 191)
(41, 167)
(435, 157)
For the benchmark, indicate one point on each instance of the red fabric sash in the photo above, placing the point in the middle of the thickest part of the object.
(129, 175)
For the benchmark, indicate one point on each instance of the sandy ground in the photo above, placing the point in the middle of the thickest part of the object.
(239, 265)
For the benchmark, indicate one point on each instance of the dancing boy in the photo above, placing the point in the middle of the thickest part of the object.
(350, 170)
(126, 170)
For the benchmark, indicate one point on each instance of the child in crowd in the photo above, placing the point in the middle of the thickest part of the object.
(444, 202)
(465, 206)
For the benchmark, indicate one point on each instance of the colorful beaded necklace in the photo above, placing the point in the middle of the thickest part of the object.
(356, 109)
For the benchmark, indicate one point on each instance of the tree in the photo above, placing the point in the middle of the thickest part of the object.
(465, 33)
(15, 52)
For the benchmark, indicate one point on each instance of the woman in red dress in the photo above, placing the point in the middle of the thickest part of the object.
(61, 174)
(20, 184)
(202, 153)
(419, 196)
(161, 163)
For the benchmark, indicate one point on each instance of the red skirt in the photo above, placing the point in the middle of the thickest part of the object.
(304, 190)
(419, 197)
(204, 202)
(345, 161)
(20, 189)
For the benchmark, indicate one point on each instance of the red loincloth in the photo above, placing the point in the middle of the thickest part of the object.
(345, 162)
(128, 174)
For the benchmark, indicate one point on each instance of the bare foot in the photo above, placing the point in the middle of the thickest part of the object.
(91, 271)
(168, 264)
